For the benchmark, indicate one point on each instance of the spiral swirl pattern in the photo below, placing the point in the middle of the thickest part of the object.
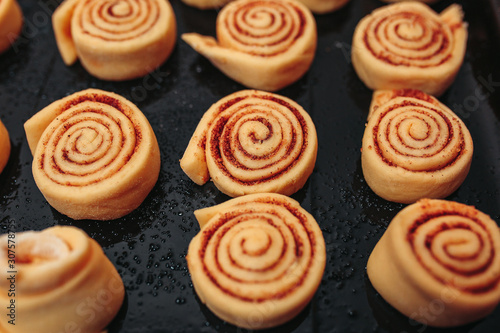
(118, 20)
(410, 138)
(456, 248)
(417, 136)
(263, 44)
(93, 141)
(115, 40)
(253, 252)
(403, 45)
(87, 147)
(263, 28)
(60, 271)
(449, 252)
(409, 38)
(253, 142)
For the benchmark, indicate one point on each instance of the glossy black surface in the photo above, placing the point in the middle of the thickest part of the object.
(149, 245)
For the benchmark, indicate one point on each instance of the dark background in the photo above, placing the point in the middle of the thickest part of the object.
(148, 246)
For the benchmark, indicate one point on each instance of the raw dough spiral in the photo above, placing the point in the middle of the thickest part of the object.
(407, 45)
(253, 142)
(11, 22)
(4, 146)
(62, 279)
(95, 155)
(414, 147)
(262, 44)
(439, 263)
(115, 40)
(257, 260)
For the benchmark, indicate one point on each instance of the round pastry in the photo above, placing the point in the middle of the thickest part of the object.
(324, 6)
(262, 44)
(95, 155)
(258, 259)
(408, 45)
(11, 22)
(115, 40)
(253, 142)
(4, 146)
(62, 279)
(414, 147)
(444, 258)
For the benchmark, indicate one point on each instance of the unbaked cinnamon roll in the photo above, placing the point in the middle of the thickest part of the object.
(258, 259)
(262, 44)
(115, 40)
(62, 280)
(414, 147)
(444, 257)
(4, 146)
(95, 155)
(11, 22)
(252, 142)
(408, 45)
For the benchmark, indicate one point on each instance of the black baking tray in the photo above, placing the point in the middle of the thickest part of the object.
(148, 247)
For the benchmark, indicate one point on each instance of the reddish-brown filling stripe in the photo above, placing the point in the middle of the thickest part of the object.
(289, 38)
(75, 148)
(263, 10)
(109, 12)
(417, 139)
(221, 145)
(152, 8)
(266, 123)
(203, 140)
(227, 138)
(256, 253)
(230, 103)
(457, 225)
(451, 225)
(236, 217)
(433, 27)
(91, 97)
(386, 132)
(418, 94)
(241, 219)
